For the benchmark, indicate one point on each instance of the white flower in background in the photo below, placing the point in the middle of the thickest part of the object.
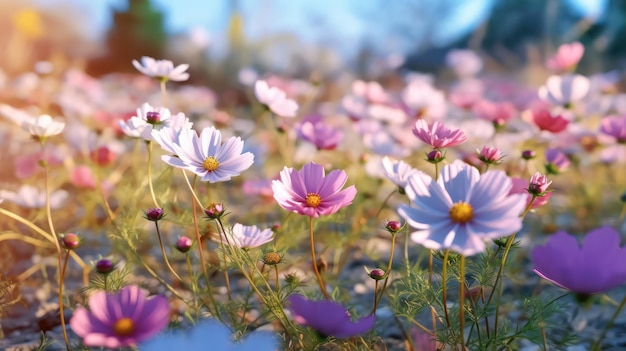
(424, 100)
(141, 125)
(397, 171)
(43, 126)
(385, 113)
(15, 115)
(30, 197)
(466, 63)
(247, 237)
(169, 135)
(275, 99)
(564, 90)
(162, 69)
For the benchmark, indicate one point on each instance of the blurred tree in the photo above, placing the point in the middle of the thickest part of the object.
(607, 33)
(137, 31)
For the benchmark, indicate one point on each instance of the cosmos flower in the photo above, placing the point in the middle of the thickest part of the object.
(120, 320)
(328, 317)
(595, 266)
(546, 121)
(30, 197)
(322, 135)
(462, 208)
(556, 160)
(397, 171)
(489, 155)
(310, 192)
(614, 126)
(207, 157)
(423, 100)
(141, 125)
(247, 237)
(162, 69)
(496, 112)
(566, 57)
(437, 135)
(42, 126)
(564, 90)
(521, 186)
(169, 135)
(275, 99)
(217, 335)
(466, 63)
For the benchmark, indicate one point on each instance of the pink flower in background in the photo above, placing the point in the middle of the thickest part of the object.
(371, 92)
(30, 197)
(322, 135)
(275, 99)
(146, 119)
(521, 186)
(462, 208)
(564, 90)
(310, 192)
(120, 320)
(424, 101)
(595, 266)
(162, 69)
(328, 317)
(615, 127)
(557, 161)
(566, 57)
(437, 135)
(489, 155)
(82, 177)
(466, 63)
(546, 121)
(496, 112)
(27, 165)
(258, 187)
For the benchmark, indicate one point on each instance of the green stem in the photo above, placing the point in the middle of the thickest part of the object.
(378, 297)
(462, 300)
(167, 262)
(598, 344)
(277, 279)
(315, 269)
(444, 283)
(63, 328)
(156, 204)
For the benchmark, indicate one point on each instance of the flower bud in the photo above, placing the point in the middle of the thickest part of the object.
(275, 227)
(214, 210)
(154, 214)
(272, 258)
(528, 154)
(538, 184)
(102, 156)
(393, 226)
(104, 266)
(70, 241)
(183, 244)
(435, 156)
(376, 273)
(489, 155)
(153, 117)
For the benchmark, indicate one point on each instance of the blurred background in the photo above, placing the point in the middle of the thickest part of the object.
(305, 38)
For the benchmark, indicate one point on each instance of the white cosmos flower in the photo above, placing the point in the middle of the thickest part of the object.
(564, 90)
(397, 171)
(43, 126)
(30, 197)
(275, 99)
(207, 157)
(162, 69)
(169, 135)
(247, 237)
(148, 117)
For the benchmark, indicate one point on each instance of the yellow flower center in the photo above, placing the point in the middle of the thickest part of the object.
(461, 212)
(313, 200)
(210, 164)
(124, 326)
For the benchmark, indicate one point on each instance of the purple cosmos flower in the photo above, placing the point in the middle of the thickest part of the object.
(322, 135)
(598, 265)
(614, 126)
(207, 157)
(462, 208)
(247, 237)
(328, 317)
(122, 319)
(557, 161)
(162, 69)
(437, 135)
(310, 192)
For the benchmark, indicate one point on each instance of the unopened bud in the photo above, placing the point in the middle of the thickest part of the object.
(183, 244)
(214, 210)
(376, 273)
(528, 154)
(70, 241)
(434, 156)
(154, 214)
(393, 226)
(104, 266)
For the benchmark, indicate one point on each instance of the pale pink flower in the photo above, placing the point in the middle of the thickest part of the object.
(397, 171)
(322, 135)
(247, 237)
(162, 69)
(496, 112)
(489, 155)
(566, 57)
(564, 90)
(466, 63)
(438, 135)
(615, 127)
(275, 99)
(556, 160)
(43, 126)
(146, 119)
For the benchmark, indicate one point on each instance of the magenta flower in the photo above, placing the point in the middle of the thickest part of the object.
(322, 135)
(328, 317)
(556, 160)
(567, 57)
(614, 126)
(437, 135)
(538, 184)
(598, 265)
(489, 155)
(546, 121)
(521, 186)
(497, 113)
(310, 193)
(120, 320)
(462, 208)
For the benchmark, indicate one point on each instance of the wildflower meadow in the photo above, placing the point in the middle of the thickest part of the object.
(463, 212)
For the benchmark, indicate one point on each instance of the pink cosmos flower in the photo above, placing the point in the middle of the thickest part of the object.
(521, 186)
(496, 112)
(120, 320)
(322, 135)
(275, 99)
(328, 317)
(310, 192)
(546, 121)
(614, 126)
(595, 266)
(462, 208)
(82, 177)
(566, 57)
(423, 100)
(466, 63)
(538, 184)
(437, 135)
(556, 160)
(489, 155)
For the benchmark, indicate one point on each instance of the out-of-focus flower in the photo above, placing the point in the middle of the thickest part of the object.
(43, 126)
(498, 113)
(162, 69)
(615, 127)
(424, 101)
(183, 244)
(141, 125)
(70, 241)
(212, 333)
(598, 265)
(376, 273)
(310, 192)
(120, 320)
(154, 214)
(393, 226)
(258, 187)
(528, 154)
(538, 184)
(556, 160)
(322, 135)
(207, 157)
(397, 171)
(566, 57)
(462, 208)
(434, 156)
(30, 197)
(83, 177)
(521, 186)
(546, 121)
(466, 63)
(489, 155)
(26, 165)
(104, 266)
(215, 210)
(103, 156)
(275, 99)
(564, 90)
(247, 237)
(328, 317)
(423, 341)
(437, 135)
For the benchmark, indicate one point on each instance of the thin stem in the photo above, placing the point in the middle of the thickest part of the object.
(63, 328)
(382, 206)
(375, 297)
(163, 92)
(444, 277)
(277, 279)
(167, 262)
(597, 345)
(225, 236)
(315, 269)
(379, 296)
(156, 204)
(462, 299)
